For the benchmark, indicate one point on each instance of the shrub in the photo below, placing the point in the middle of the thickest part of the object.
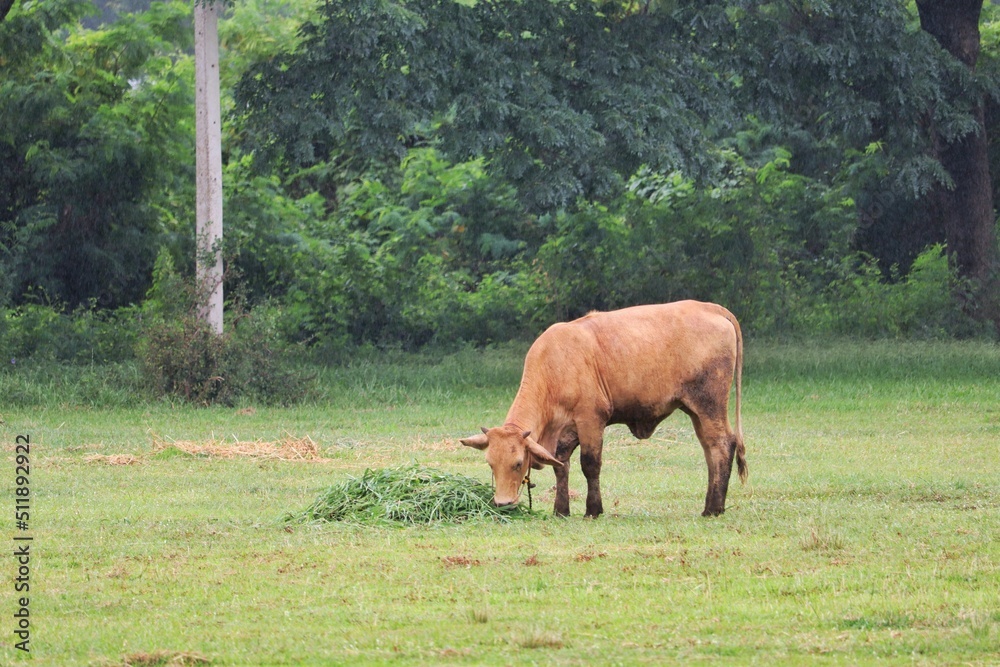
(181, 356)
(922, 304)
(432, 253)
(760, 243)
(85, 335)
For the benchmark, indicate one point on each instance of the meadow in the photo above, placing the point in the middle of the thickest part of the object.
(868, 533)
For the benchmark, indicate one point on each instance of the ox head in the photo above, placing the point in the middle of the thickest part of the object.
(511, 454)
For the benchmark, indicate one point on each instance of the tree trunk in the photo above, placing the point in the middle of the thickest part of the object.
(5, 7)
(964, 212)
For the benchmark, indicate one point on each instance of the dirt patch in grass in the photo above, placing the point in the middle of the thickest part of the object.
(113, 459)
(163, 659)
(551, 493)
(587, 556)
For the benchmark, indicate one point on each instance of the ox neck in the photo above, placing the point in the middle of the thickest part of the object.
(528, 416)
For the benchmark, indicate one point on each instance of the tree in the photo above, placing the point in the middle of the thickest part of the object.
(92, 127)
(5, 7)
(871, 99)
(566, 100)
(964, 205)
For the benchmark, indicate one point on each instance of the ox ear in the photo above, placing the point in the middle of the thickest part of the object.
(540, 454)
(478, 441)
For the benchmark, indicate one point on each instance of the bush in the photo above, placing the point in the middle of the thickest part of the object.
(433, 253)
(441, 252)
(181, 356)
(922, 304)
(760, 243)
(85, 335)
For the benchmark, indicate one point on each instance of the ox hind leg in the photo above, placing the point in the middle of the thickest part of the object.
(706, 400)
(719, 444)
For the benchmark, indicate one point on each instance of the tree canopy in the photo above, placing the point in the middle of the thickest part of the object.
(568, 100)
(437, 169)
(565, 101)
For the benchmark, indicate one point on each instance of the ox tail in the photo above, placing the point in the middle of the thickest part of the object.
(741, 452)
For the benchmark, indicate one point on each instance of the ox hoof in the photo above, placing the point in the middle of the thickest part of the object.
(713, 512)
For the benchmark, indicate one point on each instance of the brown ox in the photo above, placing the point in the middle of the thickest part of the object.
(635, 367)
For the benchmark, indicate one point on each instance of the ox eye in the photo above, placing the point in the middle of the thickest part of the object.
(516, 466)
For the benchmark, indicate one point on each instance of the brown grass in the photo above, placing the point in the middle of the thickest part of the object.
(164, 659)
(287, 449)
(459, 561)
(446, 445)
(586, 556)
(113, 459)
(539, 639)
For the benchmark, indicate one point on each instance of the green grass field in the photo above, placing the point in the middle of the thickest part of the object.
(868, 533)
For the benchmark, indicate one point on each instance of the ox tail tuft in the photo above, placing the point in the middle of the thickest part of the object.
(741, 459)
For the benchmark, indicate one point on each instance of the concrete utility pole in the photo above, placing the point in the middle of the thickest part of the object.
(208, 160)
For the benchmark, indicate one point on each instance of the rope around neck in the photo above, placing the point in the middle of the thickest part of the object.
(526, 480)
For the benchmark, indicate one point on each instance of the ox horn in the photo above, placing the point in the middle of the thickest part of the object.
(478, 441)
(541, 454)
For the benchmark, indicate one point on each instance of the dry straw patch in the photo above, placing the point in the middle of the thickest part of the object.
(446, 445)
(113, 459)
(289, 448)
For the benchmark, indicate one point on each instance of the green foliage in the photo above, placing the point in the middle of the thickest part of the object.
(744, 153)
(760, 243)
(558, 97)
(183, 357)
(265, 229)
(409, 494)
(253, 31)
(436, 257)
(843, 77)
(85, 335)
(430, 171)
(920, 305)
(87, 186)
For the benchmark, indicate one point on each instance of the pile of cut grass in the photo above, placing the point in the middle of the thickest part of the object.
(409, 494)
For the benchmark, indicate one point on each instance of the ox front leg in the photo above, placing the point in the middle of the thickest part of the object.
(561, 507)
(719, 445)
(564, 449)
(591, 446)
